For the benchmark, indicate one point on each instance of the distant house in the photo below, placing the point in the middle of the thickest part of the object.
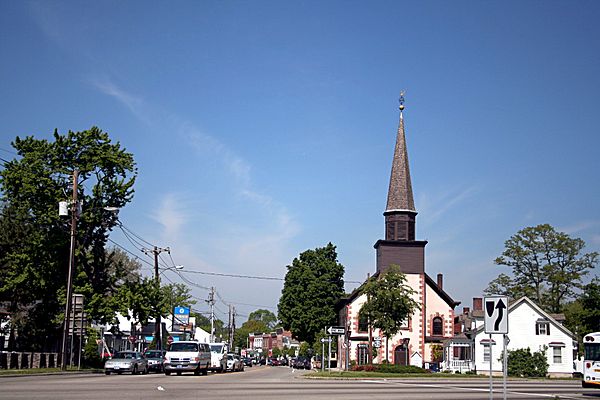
(528, 327)
(426, 329)
(264, 343)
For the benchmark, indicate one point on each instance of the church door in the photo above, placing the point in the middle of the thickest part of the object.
(401, 355)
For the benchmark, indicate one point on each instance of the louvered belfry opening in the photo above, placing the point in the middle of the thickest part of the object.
(400, 226)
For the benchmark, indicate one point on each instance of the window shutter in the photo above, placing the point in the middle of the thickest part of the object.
(537, 328)
(548, 329)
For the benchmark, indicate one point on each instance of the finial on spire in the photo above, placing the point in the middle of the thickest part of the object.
(401, 100)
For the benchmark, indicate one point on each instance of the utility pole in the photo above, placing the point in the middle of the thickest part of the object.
(157, 324)
(211, 302)
(232, 327)
(229, 329)
(74, 211)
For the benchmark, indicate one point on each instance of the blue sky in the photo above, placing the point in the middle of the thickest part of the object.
(262, 129)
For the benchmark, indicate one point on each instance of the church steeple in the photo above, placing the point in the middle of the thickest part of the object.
(400, 211)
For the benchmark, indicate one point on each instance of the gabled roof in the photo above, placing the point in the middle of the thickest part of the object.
(430, 282)
(445, 296)
(548, 317)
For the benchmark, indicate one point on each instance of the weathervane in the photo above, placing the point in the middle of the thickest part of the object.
(401, 100)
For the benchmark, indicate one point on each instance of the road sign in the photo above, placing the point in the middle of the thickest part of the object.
(170, 340)
(325, 340)
(132, 339)
(377, 341)
(496, 314)
(336, 330)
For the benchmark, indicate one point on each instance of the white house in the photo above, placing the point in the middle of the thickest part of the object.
(528, 327)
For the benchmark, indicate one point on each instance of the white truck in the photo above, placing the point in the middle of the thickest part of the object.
(218, 356)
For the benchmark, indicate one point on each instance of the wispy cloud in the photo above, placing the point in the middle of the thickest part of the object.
(135, 104)
(444, 202)
(171, 214)
(578, 227)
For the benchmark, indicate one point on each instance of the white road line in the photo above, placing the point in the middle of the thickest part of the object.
(445, 386)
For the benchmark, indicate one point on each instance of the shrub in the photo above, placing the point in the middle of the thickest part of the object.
(523, 363)
(389, 369)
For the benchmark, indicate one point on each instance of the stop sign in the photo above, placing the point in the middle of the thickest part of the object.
(170, 339)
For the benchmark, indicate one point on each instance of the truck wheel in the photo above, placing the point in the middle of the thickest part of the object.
(167, 372)
(205, 371)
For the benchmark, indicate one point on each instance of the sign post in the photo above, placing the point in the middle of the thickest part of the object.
(496, 322)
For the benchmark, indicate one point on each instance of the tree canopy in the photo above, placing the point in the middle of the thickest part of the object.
(547, 266)
(34, 249)
(313, 284)
(389, 301)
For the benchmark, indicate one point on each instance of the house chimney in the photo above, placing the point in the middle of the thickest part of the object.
(477, 304)
(440, 281)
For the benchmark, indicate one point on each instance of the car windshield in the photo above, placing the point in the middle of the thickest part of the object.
(216, 348)
(154, 354)
(183, 347)
(126, 355)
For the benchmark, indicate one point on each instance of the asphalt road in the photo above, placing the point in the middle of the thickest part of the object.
(281, 383)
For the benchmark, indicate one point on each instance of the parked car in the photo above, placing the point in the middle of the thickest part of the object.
(155, 359)
(248, 361)
(273, 361)
(187, 356)
(234, 363)
(126, 361)
(302, 363)
(218, 357)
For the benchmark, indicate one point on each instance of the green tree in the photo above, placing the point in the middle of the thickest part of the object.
(583, 315)
(34, 258)
(240, 337)
(265, 316)
(389, 302)
(313, 284)
(547, 266)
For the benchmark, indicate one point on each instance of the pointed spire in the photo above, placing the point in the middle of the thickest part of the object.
(400, 195)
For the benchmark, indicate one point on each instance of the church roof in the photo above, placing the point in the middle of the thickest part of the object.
(400, 194)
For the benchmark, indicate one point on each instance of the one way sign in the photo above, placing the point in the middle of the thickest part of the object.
(496, 314)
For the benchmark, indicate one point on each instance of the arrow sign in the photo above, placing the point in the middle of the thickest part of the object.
(496, 315)
(336, 330)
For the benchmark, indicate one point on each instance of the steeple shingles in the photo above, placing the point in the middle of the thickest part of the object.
(400, 195)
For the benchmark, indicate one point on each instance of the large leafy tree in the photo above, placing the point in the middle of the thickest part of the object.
(265, 316)
(547, 266)
(34, 257)
(389, 302)
(259, 321)
(313, 284)
(240, 337)
(583, 314)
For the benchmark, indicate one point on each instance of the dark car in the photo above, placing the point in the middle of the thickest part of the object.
(247, 361)
(155, 360)
(302, 363)
(273, 361)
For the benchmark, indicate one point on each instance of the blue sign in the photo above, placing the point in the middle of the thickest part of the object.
(181, 317)
(179, 310)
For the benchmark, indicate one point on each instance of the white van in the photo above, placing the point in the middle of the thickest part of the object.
(187, 356)
(218, 357)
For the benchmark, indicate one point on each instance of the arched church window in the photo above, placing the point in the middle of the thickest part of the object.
(438, 326)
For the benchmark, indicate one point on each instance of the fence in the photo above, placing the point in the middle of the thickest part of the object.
(20, 360)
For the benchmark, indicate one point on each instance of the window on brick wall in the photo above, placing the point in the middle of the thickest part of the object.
(437, 326)
(363, 322)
